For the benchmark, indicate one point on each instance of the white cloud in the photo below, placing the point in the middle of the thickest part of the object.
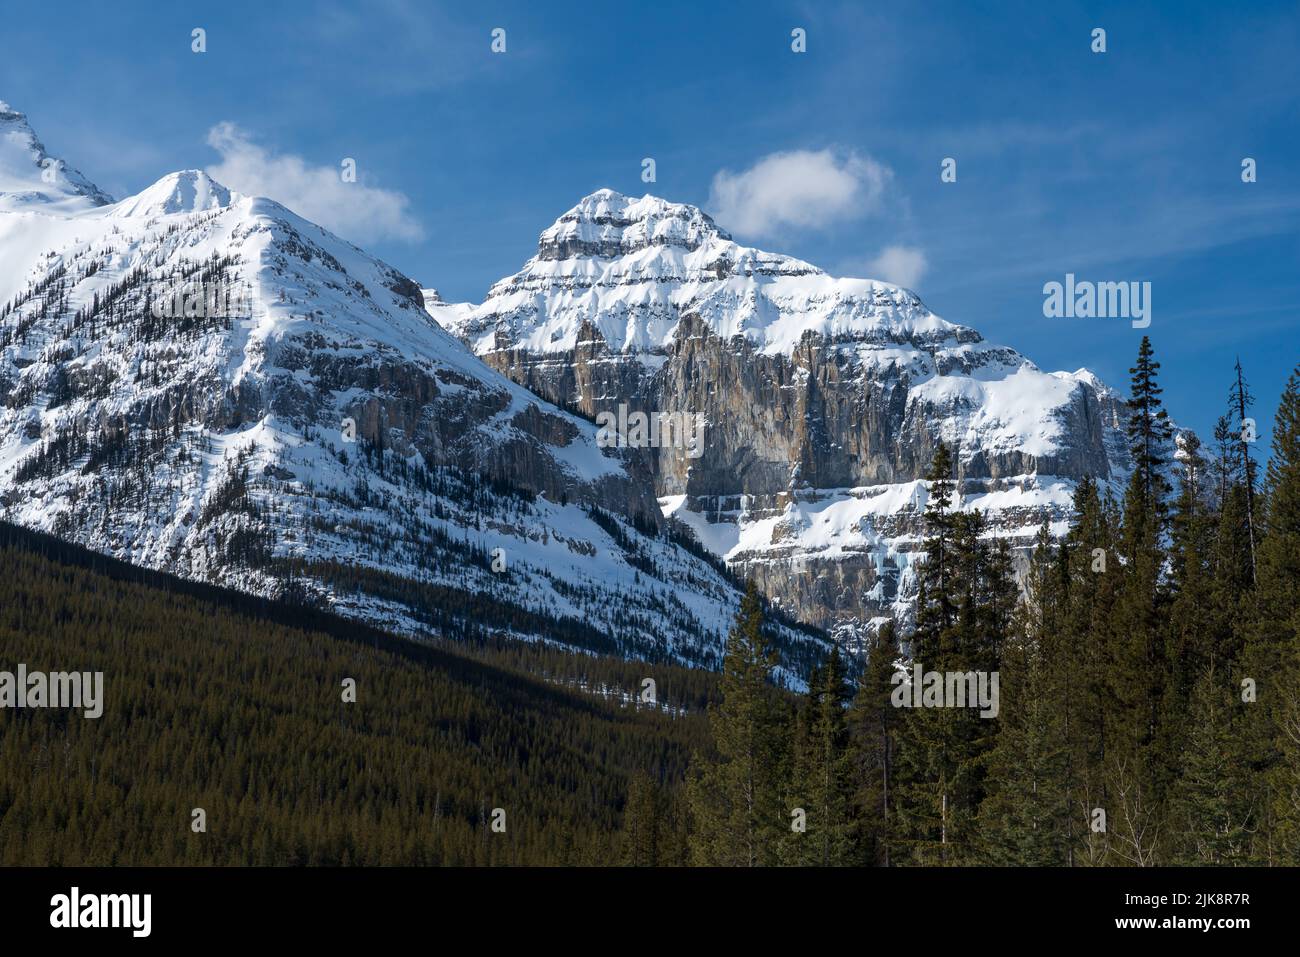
(355, 211)
(799, 188)
(901, 265)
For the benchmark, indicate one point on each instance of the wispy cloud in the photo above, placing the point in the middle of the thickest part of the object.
(801, 188)
(901, 265)
(354, 210)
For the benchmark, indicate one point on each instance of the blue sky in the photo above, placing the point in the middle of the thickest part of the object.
(1124, 165)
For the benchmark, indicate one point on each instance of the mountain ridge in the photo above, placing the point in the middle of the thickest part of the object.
(331, 442)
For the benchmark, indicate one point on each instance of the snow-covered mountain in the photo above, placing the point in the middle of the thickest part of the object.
(206, 383)
(823, 398)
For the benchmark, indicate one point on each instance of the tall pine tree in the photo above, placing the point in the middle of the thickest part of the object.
(873, 724)
(735, 799)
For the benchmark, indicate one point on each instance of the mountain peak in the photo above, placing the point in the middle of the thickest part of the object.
(604, 194)
(185, 191)
(633, 267)
(11, 117)
(607, 223)
(30, 178)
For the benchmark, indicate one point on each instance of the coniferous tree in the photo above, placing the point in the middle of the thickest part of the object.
(1241, 400)
(1025, 816)
(873, 723)
(1213, 805)
(1273, 651)
(643, 822)
(1137, 769)
(925, 766)
(1078, 629)
(797, 774)
(736, 800)
(963, 611)
(250, 730)
(1196, 628)
(1149, 430)
(829, 785)
(936, 571)
(1225, 461)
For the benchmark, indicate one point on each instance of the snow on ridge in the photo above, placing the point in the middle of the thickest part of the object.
(31, 178)
(617, 223)
(185, 191)
(635, 267)
(818, 524)
(1015, 411)
(189, 195)
(400, 325)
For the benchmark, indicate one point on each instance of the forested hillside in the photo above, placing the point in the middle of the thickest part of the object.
(231, 704)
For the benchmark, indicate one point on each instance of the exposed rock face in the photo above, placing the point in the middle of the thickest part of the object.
(324, 439)
(824, 399)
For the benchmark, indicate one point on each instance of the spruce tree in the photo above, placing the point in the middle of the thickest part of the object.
(1225, 461)
(964, 606)
(1213, 802)
(642, 822)
(1149, 430)
(1240, 400)
(735, 800)
(796, 849)
(829, 784)
(936, 571)
(925, 766)
(1025, 815)
(873, 722)
(1197, 629)
(1137, 770)
(1273, 652)
(1078, 631)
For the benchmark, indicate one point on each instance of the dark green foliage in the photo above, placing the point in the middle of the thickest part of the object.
(820, 781)
(1272, 651)
(873, 727)
(1172, 703)
(735, 792)
(1213, 808)
(654, 824)
(234, 705)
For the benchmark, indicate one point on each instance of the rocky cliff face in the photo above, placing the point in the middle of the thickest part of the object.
(208, 384)
(823, 399)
